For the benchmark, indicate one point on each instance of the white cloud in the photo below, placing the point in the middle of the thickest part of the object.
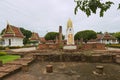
(42, 16)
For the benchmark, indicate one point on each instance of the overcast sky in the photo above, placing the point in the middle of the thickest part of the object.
(43, 16)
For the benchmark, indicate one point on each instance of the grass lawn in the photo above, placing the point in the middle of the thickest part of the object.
(8, 58)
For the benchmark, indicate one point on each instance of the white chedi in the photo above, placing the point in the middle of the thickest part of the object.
(70, 33)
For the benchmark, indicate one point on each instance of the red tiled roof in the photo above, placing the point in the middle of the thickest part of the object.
(12, 31)
(35, 36)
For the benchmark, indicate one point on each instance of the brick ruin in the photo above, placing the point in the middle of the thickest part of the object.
(92, 46)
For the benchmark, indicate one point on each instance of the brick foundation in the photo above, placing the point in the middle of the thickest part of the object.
(93, 46)
(48, 46)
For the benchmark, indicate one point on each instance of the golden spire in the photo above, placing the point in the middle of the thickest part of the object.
(69, 23)
(7, 22)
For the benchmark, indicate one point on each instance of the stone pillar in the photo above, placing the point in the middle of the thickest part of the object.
(117, 60)
(56, 40)
(60, 35)
(49, 68)
(81, 41)
(1, 63)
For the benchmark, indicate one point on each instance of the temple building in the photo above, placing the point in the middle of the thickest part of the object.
(12, 36)
(34, 39)
(70, 33)
(106, 38)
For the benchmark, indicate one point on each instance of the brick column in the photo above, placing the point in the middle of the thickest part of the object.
(49, 68)
(60, 34)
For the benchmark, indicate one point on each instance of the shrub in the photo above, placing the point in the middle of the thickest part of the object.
(2, 53)
(9, 47)
(2, 48)
(14, 47)
(60, 46)
(79, 46)
(114, 45)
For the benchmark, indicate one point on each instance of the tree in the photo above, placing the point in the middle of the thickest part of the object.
(117, 35)
(99, 32)
(85, 35)
(2, 31)
(51, 35)
(27, 35)
(91, 6)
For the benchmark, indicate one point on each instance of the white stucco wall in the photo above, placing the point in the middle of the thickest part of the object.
(109, 41)
(15, 41)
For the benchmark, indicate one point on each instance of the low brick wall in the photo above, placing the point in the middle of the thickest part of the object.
(48, 46)
(57, 57)
(95, 46)
(107, 58)
(88, 46)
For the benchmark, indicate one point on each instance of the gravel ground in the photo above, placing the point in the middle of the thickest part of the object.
(116, 49)
(67, 71)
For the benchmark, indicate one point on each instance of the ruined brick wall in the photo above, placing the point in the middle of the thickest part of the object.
(87, 46)
(48, 46)
(94, 46)
(100, 46)
(104, 58)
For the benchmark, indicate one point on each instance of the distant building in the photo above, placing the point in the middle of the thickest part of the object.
(12, 36)
(106, 38)
(34, 39)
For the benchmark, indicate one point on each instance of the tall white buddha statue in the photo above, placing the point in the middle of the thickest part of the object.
(70, 33)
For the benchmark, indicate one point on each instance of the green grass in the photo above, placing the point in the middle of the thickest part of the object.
(8, 58)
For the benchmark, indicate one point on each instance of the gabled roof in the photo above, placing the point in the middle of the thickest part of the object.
(35, 36)
(12, 31)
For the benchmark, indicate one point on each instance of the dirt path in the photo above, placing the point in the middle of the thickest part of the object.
(23, 49)
(115, 49)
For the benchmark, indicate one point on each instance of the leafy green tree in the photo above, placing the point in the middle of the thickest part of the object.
(99, 32)
(51, 35)
(85, 35)
(117, 35)
(2, 31)
(91, 6)
(27, 34)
